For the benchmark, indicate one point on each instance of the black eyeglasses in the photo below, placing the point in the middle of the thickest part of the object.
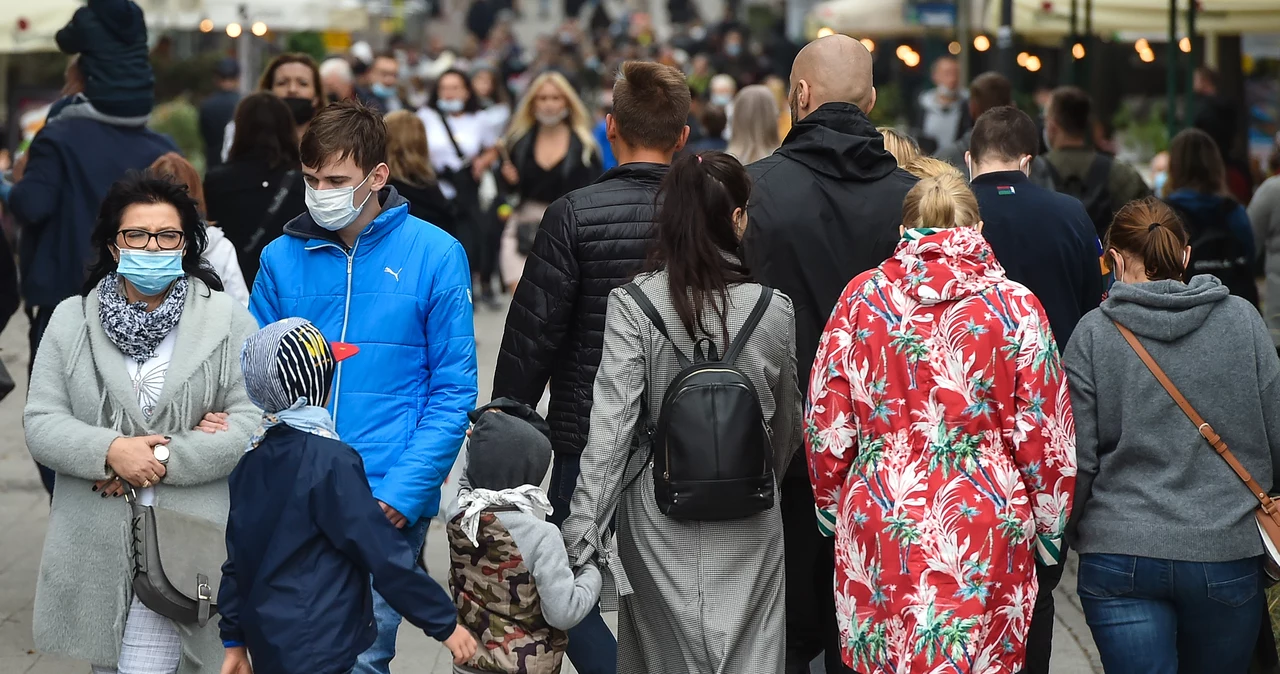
(141, 238)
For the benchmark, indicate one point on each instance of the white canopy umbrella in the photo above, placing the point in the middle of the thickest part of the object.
(1052, 18)
(30, 26)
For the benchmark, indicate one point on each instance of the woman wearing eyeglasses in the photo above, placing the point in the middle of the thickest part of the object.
(136, 385)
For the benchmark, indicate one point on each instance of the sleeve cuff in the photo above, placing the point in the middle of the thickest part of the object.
(826, 522)
(232, 644)
(1048, 549)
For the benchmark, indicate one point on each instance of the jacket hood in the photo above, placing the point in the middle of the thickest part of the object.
(1164, 310)
(838, 140)
(943, 267)
(122, 17)
(305, 227)
(1197, 203)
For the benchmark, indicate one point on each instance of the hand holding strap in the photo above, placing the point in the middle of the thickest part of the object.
(1214, 440)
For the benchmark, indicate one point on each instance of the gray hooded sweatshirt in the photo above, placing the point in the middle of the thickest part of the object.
(1148, 484)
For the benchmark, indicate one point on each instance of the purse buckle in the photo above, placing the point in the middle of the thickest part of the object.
(204, 592)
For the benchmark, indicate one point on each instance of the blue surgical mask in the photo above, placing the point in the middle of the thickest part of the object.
(1160, 179)
(150, 272)
(383, 91)
(733, 49)
(451, 106)
(721, 100)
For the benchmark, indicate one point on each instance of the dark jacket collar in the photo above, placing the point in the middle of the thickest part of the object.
(641, 172)
(839, 141)
(395, 209)
(1001, 178)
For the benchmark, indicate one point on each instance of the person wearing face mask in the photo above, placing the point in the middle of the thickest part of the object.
(219, 109)
(364, 271)
(462, 146)
(552, 153)
(721, 94)
(991, 90)
(1171, 562)
(384, 75)
(295, 79)
(1043, 239)
(136, 389)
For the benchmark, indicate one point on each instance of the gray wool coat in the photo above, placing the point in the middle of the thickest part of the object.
(81, 399)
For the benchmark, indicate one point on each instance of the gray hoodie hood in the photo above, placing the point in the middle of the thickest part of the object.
(1164, 310)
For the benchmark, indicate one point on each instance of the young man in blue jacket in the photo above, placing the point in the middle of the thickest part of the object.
(364, 271)
(305, 533)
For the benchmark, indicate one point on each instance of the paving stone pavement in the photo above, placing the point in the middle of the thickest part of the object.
(24, 510)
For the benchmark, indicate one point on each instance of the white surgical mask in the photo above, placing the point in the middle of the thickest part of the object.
(552, 120)
(333, 208)
(451, 106)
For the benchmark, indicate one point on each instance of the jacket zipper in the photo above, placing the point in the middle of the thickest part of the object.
(666, 447)
(346, 314)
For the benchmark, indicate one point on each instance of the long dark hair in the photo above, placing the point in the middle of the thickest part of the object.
(143, 187)
(473, 103)
(696, 232)
(1195, 163)
(265, 130)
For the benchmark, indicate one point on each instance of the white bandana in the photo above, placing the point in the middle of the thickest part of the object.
(528, 498)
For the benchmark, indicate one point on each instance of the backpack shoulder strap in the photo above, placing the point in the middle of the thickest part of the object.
(651, 312)
(1099, 172)
(1053, 172)
(766, 294)
(1206, 431)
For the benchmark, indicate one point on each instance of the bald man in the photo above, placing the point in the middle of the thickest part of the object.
(825, 207)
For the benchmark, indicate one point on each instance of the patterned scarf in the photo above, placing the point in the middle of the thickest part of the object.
(528, 498)
(134, 330)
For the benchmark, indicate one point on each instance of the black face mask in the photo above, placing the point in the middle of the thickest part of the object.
(303, 109)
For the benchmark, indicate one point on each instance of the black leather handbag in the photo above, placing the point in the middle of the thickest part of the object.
(177, 562)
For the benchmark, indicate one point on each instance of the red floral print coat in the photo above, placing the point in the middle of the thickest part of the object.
(942, 453)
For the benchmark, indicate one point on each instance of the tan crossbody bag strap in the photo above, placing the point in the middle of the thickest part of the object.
(1268, 506)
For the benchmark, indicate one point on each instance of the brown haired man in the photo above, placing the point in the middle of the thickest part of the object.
(987, 91)
(1045, 241)
(364, 271)
(590, 241)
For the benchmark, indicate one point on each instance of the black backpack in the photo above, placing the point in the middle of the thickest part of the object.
(1092, 190)
(712, 455)
(1214, 250)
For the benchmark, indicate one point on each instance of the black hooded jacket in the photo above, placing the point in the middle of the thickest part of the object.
(590, 241)
(111, 38)
(824, 208)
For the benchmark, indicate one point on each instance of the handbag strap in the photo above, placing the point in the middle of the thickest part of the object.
(1206, 431)
(277, 201)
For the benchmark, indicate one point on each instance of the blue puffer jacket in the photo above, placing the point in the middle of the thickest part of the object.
(403, 295)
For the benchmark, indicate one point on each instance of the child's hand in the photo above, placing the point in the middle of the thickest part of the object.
(461, 644)
(236, 661)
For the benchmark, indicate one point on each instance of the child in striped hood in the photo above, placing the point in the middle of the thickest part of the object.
(305, 534)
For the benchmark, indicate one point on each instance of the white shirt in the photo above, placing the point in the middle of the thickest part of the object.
(148, 381)
(221, 255)
(472, 131)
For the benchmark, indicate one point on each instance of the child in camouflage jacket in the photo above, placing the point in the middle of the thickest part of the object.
(510, 575)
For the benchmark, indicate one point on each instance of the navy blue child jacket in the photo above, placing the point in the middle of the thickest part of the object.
(303, 538)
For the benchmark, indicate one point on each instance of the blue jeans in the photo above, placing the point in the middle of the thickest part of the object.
(592, 647)
(1157, 616)
(377, 660)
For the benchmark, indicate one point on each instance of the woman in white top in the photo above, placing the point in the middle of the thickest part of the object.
(137, 385)
(462, 143)
(219, 253)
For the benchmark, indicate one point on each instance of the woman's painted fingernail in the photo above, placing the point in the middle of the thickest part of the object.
(104, 494)
(95, 487)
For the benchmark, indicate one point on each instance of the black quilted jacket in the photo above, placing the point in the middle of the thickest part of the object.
(590, 242)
